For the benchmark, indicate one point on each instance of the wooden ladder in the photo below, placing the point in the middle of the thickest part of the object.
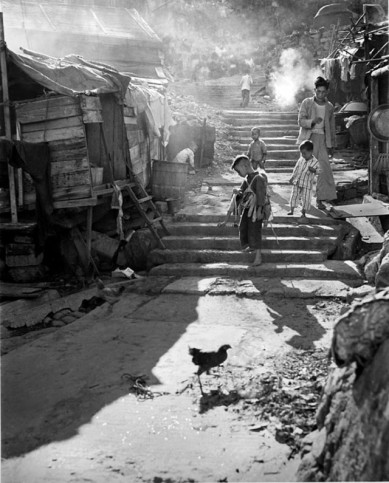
(142, 200)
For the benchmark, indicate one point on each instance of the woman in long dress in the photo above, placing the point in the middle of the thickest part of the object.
(317, 123)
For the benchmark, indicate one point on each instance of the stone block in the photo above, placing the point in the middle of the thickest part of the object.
(382, 277)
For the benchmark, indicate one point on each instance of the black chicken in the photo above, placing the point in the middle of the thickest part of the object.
(207, 360)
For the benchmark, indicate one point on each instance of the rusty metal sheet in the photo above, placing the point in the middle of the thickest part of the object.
(360, 209)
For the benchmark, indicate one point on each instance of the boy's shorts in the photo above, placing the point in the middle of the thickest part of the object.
(250, 232)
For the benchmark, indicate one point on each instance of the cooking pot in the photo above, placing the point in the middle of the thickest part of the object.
(378, 123)
(354, 107)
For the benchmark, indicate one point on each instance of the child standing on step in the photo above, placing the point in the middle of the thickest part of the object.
(257, 150)
(253, 202)
(302, 178)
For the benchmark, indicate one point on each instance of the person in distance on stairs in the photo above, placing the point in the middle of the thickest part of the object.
(302, 178)
(254, 205)
(245, 86)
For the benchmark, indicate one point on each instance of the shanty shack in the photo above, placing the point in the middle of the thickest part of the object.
(97, 130)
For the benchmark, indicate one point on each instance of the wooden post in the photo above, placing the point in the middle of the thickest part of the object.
(7, 119)
(374, 151)
(202, 142)
(89, 221)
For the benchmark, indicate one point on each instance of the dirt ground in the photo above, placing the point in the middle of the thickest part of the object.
(112, 396)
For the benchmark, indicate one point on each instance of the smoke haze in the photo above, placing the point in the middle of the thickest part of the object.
(295, 73)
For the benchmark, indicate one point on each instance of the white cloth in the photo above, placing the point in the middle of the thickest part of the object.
(320, 111)
(245, 82)
(185, 156)
(344, 66)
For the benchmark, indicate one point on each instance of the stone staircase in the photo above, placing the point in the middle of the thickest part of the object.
(292, 248)
(197, 247)
(279, 131)
(222, 94)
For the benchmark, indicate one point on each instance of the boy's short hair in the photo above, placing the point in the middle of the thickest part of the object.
(256, 128)
(321, 82)
(239, 159)
(308, 145)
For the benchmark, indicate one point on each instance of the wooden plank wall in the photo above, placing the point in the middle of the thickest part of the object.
(115, 137)
(58, 121)
(143, 148)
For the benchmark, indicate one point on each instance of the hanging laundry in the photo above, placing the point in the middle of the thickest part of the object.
(353, 71)
(344, 61)
(328, 66)
(34, 158)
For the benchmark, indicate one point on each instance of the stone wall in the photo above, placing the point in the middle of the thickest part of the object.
(352, 439)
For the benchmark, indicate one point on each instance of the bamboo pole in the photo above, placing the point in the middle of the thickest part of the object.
(7, 119)
(202, 141)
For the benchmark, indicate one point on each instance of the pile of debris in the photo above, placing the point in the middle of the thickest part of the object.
(186, 110)
(283, 402)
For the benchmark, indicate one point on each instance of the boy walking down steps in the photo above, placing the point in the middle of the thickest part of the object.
(302, 178)
(254, 206)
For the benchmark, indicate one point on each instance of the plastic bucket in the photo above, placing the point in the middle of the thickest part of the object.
(169, 180)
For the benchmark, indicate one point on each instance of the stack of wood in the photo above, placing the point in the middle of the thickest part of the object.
(23, 264)
(58, 120)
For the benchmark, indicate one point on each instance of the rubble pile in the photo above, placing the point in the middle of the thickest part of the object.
(283, 402)
(290, 397)
(185, 109)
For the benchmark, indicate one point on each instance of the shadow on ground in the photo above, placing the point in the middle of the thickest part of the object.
(53, 386)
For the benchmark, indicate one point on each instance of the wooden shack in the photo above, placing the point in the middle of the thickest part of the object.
(99, 135)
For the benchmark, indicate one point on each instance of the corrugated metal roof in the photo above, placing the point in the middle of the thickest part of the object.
(96, 20)
(118, 37)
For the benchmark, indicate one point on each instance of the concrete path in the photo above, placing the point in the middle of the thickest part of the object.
(69, 414)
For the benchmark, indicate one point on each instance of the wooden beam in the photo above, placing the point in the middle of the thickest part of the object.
(373, 184)
(7, 119)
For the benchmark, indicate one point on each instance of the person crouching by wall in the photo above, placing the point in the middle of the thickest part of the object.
(187, 156)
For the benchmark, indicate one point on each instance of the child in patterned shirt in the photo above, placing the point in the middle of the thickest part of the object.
(302, 178)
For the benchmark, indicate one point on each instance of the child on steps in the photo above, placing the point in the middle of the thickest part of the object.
(302, 178)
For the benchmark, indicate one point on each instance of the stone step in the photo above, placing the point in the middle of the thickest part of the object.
(276, 133)
(249, 112)
(270, 147)
(293, 133)
(272, 163)
(327, 270)
(159, 256)
(285, 169)
(327, 244)
(265, 122)
(324, 220)
(280, 229)
(275, 154)
(269, 141)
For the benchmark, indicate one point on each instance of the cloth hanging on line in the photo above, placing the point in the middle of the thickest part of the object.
(344, 61)
(34, 158)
